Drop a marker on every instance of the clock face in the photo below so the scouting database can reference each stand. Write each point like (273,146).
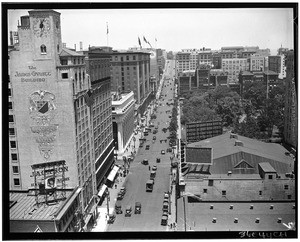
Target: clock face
(41,26)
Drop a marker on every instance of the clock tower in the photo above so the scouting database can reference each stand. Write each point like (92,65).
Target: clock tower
(45,34)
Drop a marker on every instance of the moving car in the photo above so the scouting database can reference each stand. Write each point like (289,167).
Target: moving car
(149,185)
(152,175)
(138,208)
(163,152)
(145,162)
(166,195)
(157,160)
(154,137)
(123,190)
(128,211)
(154,168)
(147,147)
(118,207)
(120,196)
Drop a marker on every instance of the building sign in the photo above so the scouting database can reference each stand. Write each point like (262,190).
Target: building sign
(199,155)
(32,75)
(50,180)
(197,131)
(42,111)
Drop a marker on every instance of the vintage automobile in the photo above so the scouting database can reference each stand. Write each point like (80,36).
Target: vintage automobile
(163,152)
(128,211)
(157,160)
(154,168)
(111,218)
(138,208)
(164,220)
(145,162)
(118,207)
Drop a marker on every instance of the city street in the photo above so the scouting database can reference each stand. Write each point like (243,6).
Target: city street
(152,202)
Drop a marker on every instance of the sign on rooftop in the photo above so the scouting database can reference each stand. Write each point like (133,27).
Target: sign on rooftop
(199,155)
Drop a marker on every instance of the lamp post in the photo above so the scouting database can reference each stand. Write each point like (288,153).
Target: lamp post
(108,198)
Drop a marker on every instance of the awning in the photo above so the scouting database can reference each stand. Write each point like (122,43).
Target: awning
(113,173)
(102,190)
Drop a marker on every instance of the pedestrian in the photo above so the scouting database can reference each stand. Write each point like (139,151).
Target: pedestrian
(171,226)
(115,186)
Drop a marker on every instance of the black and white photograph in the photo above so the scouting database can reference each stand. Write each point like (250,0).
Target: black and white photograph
(149,120)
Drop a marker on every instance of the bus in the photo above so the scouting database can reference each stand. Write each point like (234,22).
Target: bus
(149,185)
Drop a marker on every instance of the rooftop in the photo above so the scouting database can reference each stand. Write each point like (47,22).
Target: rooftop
(226,154)
(24,207)
(199,216)
(68,52)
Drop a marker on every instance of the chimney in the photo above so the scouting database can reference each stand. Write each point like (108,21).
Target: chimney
(271,206)
(229,173)
(80,44)
(257,220)
(251,206)
(214,220)
(279,220)
(238,143)
(236,220)
(231,207)
(211,206)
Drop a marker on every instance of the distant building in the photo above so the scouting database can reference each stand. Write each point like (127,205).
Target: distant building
(187,82)
(203,76)
(257,62)
(123,119)
(131,72)
(217,77)
(291,105)
(277,64)
(233,67)
(205,57)
(216,60)
(182,61)
(197,131)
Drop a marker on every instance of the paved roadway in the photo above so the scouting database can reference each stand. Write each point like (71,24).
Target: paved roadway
(150,218)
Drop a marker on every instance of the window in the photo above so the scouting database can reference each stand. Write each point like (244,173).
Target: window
(63,62)
(11,131)
(121,58)
(286,187)
(9,92)
(15,169)
(13,144)
(260,193)
(133,57)
(204,190)
(17,182)
(9,105)
(127,57)
(10,118)
(14,156)
(210,183)
(64,75)
(270,177)
(223,193)
(43,49)
(289,196)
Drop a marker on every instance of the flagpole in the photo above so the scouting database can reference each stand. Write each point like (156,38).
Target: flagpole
(106,33)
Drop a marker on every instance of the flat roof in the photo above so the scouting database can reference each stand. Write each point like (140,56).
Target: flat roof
(25,207)
(199,216)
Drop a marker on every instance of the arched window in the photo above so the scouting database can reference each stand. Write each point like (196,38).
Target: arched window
(43,49)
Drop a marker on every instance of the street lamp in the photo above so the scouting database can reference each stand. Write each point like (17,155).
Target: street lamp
(108,198)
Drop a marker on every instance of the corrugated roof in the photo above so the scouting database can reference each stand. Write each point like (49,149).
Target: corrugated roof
(68,52)
(26,208)
(226,155)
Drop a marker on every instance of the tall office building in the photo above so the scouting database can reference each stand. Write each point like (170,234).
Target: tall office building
(131,72)
(233,67)
(183,61)
(98,68)
(50,115)
(291,105)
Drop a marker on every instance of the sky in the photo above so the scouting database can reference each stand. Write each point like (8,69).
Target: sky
(174,29)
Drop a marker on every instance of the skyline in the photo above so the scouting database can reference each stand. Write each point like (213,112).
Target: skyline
(210,28)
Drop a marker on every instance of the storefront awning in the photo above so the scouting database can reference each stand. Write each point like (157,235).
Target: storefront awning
(113,173)
(102,190)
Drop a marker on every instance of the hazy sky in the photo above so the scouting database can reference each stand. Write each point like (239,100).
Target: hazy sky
(174,29)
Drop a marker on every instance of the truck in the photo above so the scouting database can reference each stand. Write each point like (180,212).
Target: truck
(149,185)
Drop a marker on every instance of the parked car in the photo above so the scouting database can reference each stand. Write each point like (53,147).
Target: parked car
(166,206)
(157,160)
(128,211)
(169,150)
(154,131)
(111,218)
(164,220)
(166,195)
(147,147)
(123,190)
(120,196)
(163,152)
(154,168)
(145,162)
(154,137)
(118,207)
(138,208)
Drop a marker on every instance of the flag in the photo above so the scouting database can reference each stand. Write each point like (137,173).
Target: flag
(140,42)
(88,96)
(106,28)
(145,40)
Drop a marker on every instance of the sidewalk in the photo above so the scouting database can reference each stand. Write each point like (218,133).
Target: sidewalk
(101,224)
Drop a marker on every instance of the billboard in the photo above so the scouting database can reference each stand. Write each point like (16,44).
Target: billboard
(199,155)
